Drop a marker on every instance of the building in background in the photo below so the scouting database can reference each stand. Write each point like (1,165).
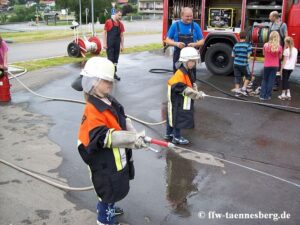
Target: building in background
(122,2)
(150,7)
(48,2)
(4,4)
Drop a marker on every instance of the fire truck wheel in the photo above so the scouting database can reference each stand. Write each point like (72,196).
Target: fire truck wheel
(218,59)
(73,50)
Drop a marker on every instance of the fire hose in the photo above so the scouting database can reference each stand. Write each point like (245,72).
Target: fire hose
(67,188)
(235,98)
(202,157)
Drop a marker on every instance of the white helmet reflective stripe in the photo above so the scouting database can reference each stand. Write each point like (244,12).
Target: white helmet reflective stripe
(188,53)
(99,67)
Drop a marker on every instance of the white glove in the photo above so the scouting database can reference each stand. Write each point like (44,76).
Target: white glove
(128,139)
(140,141)
(195,87)
(201,95)
(129,125)
(190,92)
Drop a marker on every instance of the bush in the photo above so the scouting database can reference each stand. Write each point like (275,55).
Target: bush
(3,18)
(129,8)
(103,17)
(22,14)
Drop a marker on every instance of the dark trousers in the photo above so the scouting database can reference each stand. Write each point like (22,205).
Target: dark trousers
(239,72)
(176,55)
(277,79)
(113,52)
(285,79)
(268,82)
(172,130)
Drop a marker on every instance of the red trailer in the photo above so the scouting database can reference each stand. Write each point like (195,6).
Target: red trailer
(222,20)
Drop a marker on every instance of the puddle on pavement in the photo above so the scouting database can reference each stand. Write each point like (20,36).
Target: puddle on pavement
(182,179)
(180,175)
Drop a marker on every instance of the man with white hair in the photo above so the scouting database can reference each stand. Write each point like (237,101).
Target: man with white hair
(184,33)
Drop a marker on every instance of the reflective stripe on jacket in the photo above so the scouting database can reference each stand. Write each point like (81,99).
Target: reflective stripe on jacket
(180,107)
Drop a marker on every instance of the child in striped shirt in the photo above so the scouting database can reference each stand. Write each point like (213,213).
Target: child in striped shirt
(241,52)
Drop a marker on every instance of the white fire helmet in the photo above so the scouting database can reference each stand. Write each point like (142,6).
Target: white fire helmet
(188,53)
(96,69)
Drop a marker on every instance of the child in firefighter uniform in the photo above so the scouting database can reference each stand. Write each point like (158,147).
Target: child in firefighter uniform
(106,138)
(182,91)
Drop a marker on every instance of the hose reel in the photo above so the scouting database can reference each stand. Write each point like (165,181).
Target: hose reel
(175,11)
(260,34)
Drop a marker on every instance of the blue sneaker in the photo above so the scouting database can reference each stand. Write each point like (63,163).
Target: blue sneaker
(180,141)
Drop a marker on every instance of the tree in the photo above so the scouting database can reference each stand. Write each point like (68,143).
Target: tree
(63,4)
(127,9)
(21,13)
(134,2)
(73,5)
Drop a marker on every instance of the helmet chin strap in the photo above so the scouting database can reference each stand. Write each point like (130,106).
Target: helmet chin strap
(97,94)
(102,96)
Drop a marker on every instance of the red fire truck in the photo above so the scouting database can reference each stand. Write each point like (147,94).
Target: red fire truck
(222,20)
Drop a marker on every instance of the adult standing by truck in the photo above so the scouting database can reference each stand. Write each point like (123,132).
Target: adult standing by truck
(113,40)
(281,28)
(184,33)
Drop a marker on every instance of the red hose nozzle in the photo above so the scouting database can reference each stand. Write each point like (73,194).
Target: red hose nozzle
(159,142)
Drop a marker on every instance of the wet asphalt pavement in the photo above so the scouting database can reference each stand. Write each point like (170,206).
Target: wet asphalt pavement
(170,189)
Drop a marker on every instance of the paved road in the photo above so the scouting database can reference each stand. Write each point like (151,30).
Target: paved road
(134,26)
(168,188)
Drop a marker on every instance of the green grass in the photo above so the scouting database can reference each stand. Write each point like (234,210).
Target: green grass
(60,23)
(57,61)
(37,35)
(45,63)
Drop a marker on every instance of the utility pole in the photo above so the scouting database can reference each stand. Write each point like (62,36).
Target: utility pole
(86,15)
(80,21)
(92,9)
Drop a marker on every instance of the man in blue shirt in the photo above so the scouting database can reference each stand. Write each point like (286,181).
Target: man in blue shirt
(184,33)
